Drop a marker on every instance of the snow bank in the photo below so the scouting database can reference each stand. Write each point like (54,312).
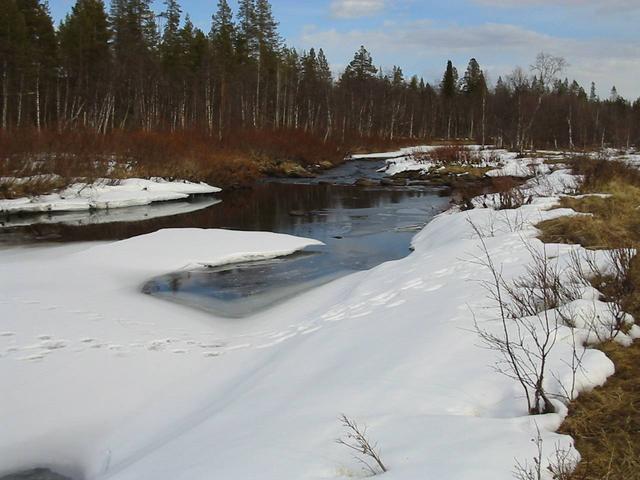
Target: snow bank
(503,162)
(106,216)
(104,194)
(100,381)
(403,152)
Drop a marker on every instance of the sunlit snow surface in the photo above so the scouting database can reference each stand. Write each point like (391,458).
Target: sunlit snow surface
(100,381)
(107,194)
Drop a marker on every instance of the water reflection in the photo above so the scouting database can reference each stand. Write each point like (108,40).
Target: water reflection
(360,226)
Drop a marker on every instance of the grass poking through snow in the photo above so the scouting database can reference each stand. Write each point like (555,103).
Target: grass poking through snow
(605,423)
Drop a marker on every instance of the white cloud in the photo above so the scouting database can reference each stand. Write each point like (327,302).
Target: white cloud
(356,8)
(613,6)
(423,47)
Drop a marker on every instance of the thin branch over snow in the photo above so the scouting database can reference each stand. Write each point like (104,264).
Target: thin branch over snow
(356,439)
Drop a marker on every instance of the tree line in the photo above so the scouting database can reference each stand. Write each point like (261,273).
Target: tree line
(129,68)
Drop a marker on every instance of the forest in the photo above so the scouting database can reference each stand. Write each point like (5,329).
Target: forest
(122,70)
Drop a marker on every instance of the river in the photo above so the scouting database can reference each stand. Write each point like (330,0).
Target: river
(361,227)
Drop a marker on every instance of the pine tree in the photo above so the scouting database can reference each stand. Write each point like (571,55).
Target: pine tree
(134,29)
(222,38)
(85,60)
(195,44)
(593,97)
(361,68)
(324,71)
(223,34)
(266,27)
(247,30)
(171,48)
(310,68)
(397,77)
(13,52)
(84,41)
(41,53)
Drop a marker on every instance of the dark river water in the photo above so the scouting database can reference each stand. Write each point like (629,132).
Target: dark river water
(361,226)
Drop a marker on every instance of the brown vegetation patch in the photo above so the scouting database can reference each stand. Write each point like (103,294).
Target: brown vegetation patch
(236,161)
(605,423)
(611,222)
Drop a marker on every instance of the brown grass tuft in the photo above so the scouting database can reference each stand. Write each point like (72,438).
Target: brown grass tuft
(605,423)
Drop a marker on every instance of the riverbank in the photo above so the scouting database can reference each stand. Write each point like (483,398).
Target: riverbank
(605,422)
(100,388)
(35,163)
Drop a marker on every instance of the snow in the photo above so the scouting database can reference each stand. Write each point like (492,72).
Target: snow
(503,162)
(107,194)
(403,152)
(106,216)
(100,381)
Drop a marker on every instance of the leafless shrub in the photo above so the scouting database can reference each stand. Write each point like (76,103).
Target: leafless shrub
(575,365)
(524,343)
(561,466)
(509,194)
(614,282)
(531,471)
(543,287)
(530,322)
(514,223)
(356,440)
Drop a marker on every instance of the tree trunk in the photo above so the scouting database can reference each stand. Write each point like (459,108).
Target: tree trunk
(484,119)
(5,95)
(38,99)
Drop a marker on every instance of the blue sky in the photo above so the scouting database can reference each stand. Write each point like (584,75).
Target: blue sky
(599,38)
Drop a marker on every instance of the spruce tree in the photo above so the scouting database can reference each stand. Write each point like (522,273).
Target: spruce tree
(449,90)
(473,83)
(449,85)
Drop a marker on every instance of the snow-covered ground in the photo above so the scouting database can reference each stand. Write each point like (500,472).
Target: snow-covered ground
(100,381)
(107,194)
(503,162)
(403,152)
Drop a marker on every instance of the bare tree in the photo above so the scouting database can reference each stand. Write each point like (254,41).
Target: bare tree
(547,67)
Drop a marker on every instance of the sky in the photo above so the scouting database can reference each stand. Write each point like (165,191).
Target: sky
(600,39)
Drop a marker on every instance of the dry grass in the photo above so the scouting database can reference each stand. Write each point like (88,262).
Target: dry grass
(236,161)
(605,423)
(612,222)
